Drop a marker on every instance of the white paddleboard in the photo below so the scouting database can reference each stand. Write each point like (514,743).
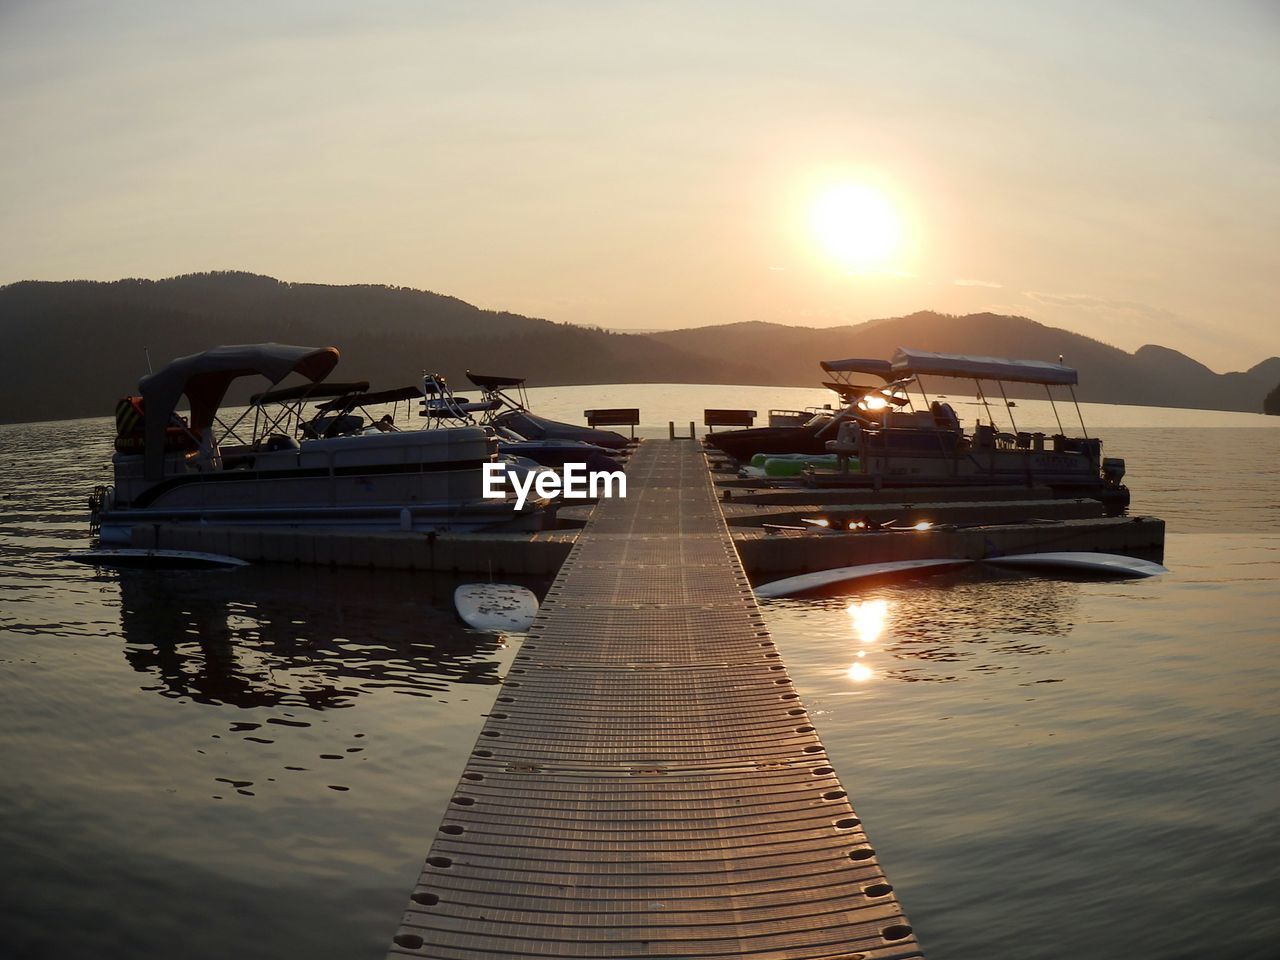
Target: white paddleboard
(808,582)
(1109,563)
(128,557)
(496,607)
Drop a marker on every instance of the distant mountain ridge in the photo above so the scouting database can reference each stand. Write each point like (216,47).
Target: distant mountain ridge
(73,347)
(1151,376)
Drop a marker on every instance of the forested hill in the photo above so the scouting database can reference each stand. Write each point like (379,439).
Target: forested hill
(71,348)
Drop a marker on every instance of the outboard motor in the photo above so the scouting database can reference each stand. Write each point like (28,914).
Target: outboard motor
(1112,470)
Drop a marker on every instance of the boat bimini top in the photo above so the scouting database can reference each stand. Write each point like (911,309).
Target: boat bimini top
(500,389)
(878,368)
(205,377)
(844,370)
(350,401)
(484,380)
(308,391)
(916,363)
(908,362)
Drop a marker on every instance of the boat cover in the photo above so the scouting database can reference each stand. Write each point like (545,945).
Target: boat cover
(916,362)
(879,368)
(204,378)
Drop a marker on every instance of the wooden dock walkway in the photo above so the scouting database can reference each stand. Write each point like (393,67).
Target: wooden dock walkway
(648,783)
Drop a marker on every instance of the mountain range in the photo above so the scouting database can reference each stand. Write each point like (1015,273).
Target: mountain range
(73,347)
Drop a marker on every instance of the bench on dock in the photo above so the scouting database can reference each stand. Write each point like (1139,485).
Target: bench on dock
(728,418)
(614,417)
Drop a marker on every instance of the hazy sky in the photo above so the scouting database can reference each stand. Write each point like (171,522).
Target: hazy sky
(1113,168)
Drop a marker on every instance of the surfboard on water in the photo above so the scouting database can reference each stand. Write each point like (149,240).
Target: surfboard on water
(1113,564)
(496,607)
(809,582)
(178,559)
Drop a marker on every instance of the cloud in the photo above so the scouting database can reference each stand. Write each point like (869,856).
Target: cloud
(978,283)
(1131,310)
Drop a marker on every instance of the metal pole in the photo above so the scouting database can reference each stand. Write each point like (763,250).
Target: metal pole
(1008,409)
(1078,413)
(920,384)
(1049,393)
(983,397)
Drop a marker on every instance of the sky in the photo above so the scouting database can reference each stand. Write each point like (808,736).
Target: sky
(1109,168)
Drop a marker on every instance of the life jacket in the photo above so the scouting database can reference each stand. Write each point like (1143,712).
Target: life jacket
(131,429)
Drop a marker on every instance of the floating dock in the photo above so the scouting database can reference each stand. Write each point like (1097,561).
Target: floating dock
(970,522)
(769,555)
(649,783)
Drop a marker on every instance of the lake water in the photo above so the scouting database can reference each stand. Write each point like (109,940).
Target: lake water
(253,763)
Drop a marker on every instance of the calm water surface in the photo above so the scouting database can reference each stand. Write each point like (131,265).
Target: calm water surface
(253,763)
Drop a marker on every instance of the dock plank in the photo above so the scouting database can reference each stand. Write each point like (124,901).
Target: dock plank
(648,783)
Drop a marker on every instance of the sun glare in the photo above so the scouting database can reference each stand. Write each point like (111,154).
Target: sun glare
(860,673)
(856,226)
(868,618)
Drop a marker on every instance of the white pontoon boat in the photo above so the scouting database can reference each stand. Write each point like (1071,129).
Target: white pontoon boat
(881,443)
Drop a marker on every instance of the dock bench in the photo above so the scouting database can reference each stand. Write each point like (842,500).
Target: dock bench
(728,418)
(614,417)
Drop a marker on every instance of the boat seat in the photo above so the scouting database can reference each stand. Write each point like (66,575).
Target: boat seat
(848,438)
(944,416)
(278,442)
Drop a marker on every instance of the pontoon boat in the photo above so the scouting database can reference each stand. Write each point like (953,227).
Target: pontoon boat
(929,446)
(169,469)
(883,440)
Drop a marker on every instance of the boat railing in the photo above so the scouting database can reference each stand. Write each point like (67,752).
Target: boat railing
(441,406)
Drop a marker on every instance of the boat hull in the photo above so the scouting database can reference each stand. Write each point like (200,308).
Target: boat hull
(117,526)
(742,445)
(413,480)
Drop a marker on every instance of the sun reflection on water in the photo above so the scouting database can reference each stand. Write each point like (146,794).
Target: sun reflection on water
(868,618)
(859,672)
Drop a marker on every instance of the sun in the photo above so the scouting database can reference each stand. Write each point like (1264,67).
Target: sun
(857,226)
